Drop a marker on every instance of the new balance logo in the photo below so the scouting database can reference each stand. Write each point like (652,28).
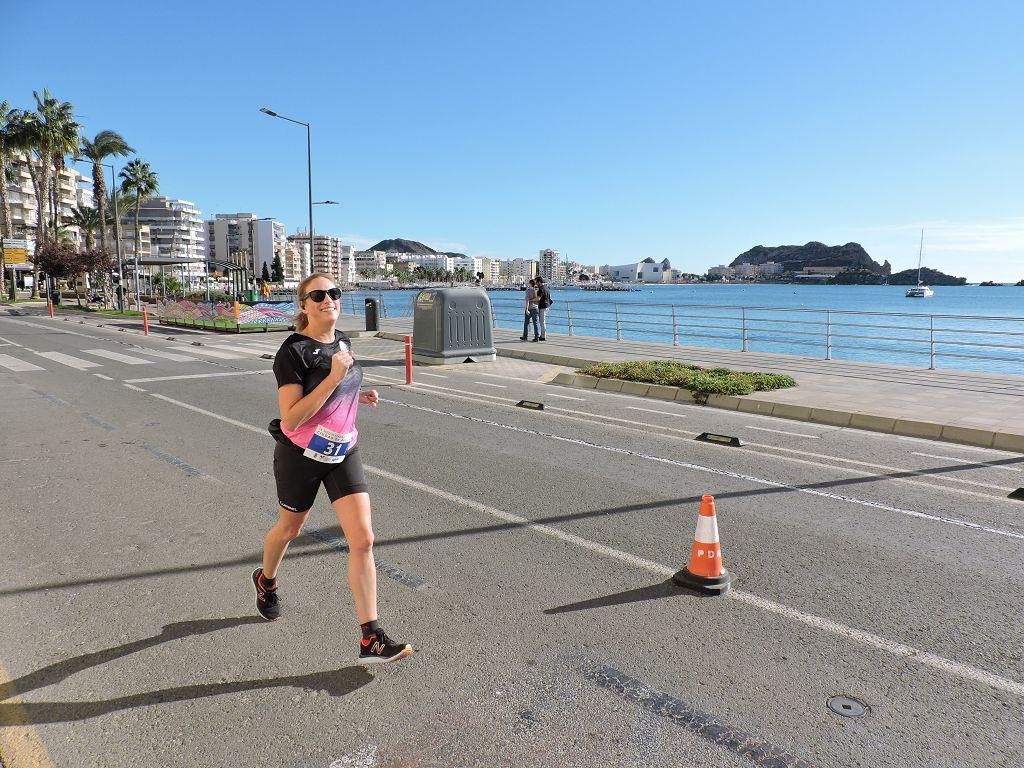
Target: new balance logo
(377,647)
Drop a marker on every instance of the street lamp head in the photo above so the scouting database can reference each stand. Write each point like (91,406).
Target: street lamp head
(327,202)
(266,111)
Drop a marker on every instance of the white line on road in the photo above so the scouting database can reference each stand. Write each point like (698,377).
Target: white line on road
(214,353)
(165,355)
(966,461)
(781,432)
(814,459)
(720,472)
(126,359)
(193,376)
(73,362)
(8,341)
(137,389)
(660,413)
(14,364)
(875,641)
(565,397)
(486,384)
(433,375)
(101,376)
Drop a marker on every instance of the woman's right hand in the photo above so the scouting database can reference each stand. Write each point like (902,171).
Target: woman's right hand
(341,361)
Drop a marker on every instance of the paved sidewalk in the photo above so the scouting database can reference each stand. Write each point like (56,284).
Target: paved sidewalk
(984,409)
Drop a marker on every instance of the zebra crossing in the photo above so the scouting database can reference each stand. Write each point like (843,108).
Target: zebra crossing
(18,358)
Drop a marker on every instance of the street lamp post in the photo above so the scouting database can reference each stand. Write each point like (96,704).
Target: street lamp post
(309,174)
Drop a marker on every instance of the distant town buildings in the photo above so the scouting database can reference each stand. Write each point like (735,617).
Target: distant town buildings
(550,266)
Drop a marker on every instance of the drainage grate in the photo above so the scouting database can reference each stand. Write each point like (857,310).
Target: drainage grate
(847,707)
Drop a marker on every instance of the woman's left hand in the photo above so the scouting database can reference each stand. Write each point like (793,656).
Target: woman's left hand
(369,397)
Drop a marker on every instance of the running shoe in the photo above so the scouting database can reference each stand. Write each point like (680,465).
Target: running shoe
(266,599)
(378,648)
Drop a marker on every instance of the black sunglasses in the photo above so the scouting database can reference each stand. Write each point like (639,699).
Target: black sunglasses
(320,294)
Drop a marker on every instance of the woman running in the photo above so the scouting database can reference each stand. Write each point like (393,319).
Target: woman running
(318,395)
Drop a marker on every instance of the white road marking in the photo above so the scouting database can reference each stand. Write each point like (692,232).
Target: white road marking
(54,328)
(486,384)
(720,472)
(193,376)
(782,432)
(966,461)
(101,376)
(814,458)
(127,359)
(14,364)
(73,362)
(137,389)
(660,413)
(231,348)
(565,397)
(165,355)
(851,633)
(926,441)
(8,341)
(214,353)
(433,375)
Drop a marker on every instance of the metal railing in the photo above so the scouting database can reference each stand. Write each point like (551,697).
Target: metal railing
(957,340)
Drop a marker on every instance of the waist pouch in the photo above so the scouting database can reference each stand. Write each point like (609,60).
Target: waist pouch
(274,428)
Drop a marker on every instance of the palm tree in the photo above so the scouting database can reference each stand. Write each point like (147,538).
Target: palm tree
(88,221)
(58,132)
(138,179)
(23,137)
(106,144)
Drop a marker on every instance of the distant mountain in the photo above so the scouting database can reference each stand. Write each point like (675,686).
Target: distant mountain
(814,254)
(928,277)
(400,245)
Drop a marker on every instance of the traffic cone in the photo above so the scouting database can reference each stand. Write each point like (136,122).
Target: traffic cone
(705,573)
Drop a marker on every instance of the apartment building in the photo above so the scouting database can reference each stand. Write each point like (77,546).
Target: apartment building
(550,261)
(246,240)
(176,232)
(330,256)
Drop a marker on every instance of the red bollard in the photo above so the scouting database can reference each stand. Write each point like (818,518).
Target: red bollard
(145,321)
(49,306)
(408,359)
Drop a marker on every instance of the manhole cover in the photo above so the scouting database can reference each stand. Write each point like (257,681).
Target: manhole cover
(847,707)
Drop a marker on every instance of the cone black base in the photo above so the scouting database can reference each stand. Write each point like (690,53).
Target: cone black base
(709,585)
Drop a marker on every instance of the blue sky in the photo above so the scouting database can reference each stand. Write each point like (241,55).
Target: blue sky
(610,131)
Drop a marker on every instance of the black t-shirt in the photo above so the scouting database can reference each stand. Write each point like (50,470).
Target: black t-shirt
(306,361)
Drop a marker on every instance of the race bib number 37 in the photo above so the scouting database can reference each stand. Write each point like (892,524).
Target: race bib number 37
(328,446)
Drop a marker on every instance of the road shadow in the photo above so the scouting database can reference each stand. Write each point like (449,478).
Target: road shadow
(61,670)
(660,591)
(337,682)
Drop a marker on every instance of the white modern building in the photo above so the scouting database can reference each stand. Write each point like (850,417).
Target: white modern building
(646,271)
(518,270)
(471,264)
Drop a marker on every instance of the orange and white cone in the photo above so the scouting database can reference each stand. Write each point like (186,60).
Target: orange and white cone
(705,572)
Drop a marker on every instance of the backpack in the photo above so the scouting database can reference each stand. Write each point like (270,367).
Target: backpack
(545,297)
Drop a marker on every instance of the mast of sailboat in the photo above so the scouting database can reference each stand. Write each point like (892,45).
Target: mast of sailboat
(920,251)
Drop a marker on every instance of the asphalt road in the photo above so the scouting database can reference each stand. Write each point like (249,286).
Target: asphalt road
(527,555)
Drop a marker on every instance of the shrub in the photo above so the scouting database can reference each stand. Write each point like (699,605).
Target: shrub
(701,381)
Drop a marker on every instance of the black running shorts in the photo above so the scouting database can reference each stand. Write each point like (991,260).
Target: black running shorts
(298,478)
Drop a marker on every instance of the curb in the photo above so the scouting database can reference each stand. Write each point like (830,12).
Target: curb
(949,433)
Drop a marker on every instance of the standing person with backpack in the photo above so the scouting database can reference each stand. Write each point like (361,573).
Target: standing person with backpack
(531,312)
(543,302)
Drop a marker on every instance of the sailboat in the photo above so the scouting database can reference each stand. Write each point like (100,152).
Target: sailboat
(921,291)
